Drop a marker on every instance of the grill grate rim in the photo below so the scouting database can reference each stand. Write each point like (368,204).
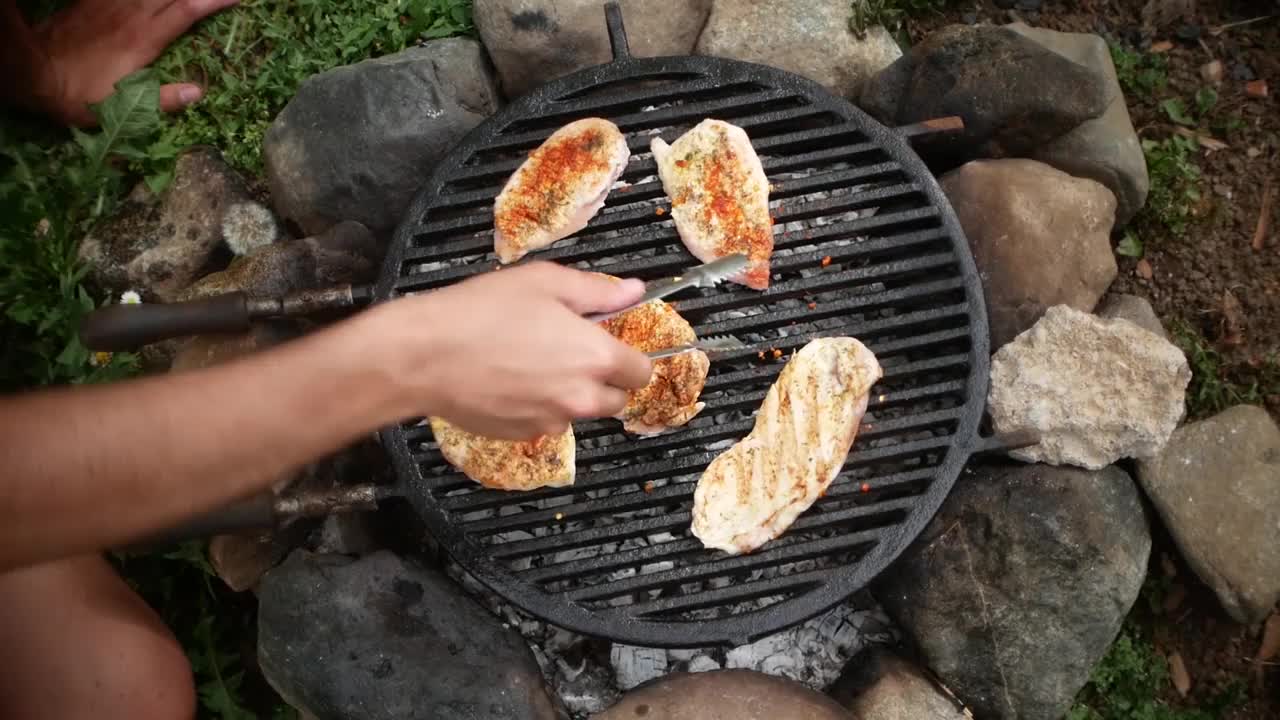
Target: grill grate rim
(900,278)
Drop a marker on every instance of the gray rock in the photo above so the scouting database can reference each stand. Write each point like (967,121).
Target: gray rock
(724,695)
(807,37)
(1020,583)
(1013,95)
(240,560)
(1105,149)
(356,142)
(158,246)
(1216,485)
(381,637)
(879,685)
(533,41)
(1092,390)
(346,253)
(1040,238)
(1134,309)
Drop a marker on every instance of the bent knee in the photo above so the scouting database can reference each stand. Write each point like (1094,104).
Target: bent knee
(151,681)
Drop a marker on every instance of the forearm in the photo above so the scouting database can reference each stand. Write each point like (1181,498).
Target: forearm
(95,467)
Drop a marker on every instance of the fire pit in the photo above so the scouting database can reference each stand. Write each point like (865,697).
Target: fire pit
(867,246)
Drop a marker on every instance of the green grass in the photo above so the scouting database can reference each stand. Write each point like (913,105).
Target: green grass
(54,185)
(1141,75)
(892,14)
(1129,682)
(252,59)
(1212,388)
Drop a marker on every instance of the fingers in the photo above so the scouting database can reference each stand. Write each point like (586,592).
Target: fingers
(595,401)
(627,368)
(176,96)
(587,292)
(173,18)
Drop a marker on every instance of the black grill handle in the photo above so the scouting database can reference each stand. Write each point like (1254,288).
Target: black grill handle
(253,513)
(127,327)
(617,31)
(119,328)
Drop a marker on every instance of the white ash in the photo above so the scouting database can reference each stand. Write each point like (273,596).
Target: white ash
(248,225)
(633,665)
(588,679)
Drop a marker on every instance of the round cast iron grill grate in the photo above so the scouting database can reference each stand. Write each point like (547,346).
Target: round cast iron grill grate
(867,246)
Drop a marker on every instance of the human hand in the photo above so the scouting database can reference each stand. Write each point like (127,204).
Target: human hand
(509,355)
(76,56)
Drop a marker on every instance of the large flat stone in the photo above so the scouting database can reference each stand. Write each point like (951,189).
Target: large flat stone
(1021,582)
(160,245)
(533,41)
(1039,236)
(1216,485)
(879,685)
(384,638)
(357,142)
(724,695)
(1106,148)
(807,37)
(1013,94)
(1092,390)
(1134,309)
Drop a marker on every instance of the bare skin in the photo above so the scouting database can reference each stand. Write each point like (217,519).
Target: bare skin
(507,355)
(73,59)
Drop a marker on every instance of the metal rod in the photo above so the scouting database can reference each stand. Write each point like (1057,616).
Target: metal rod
(617,31)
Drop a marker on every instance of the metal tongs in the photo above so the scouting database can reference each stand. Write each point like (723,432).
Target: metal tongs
(703,276)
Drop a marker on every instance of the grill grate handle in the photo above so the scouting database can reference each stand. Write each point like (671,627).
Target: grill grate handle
(119,328)
(617,32)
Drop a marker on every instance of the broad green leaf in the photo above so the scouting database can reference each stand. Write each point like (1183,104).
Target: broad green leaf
(1174,109)
(1130,246)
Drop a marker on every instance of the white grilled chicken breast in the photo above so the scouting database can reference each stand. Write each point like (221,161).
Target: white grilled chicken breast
(506,464)
(559,188)
(671,397)
(719,196)
(753,491)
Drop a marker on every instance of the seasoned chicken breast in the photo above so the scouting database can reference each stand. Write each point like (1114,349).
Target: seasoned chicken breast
(505,464)
(671,397)
(559,188)
(753,491)
(719,196)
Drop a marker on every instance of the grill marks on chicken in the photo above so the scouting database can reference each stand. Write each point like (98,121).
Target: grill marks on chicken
(803,431)
(547,461)
(719,196)
(671,397)
(559,188)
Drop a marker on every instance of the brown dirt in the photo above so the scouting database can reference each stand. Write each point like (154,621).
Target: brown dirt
(1191,273)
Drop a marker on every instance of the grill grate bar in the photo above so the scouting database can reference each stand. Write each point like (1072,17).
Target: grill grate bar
(784,553)
(885,399)
(636,475)
(843,485)
(641,165)
(680,260)
(484,499)
(662,117)
(742,592)
(429,248)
